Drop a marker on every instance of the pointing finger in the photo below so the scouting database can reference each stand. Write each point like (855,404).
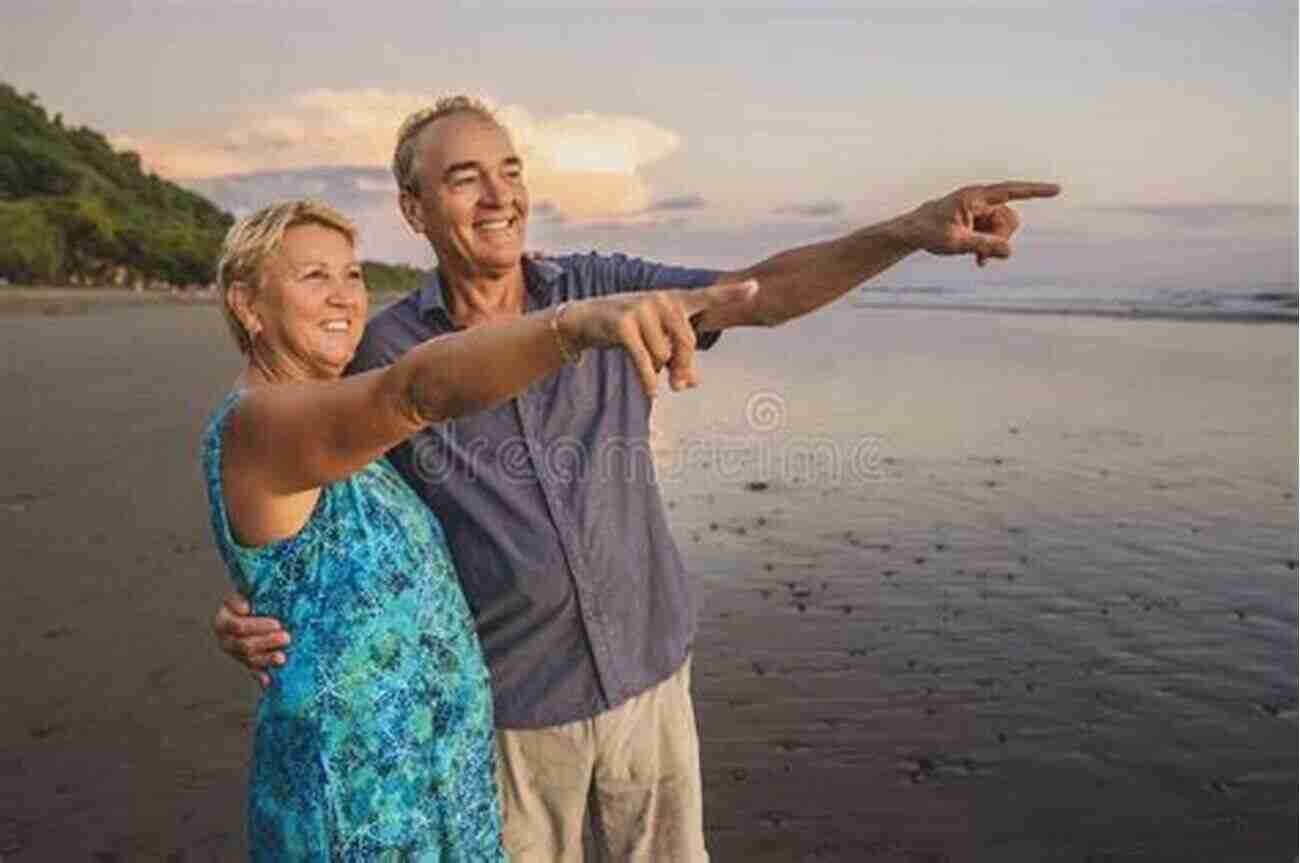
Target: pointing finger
(694,302)
(1017,190)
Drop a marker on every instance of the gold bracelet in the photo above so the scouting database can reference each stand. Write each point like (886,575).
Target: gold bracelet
(567,353)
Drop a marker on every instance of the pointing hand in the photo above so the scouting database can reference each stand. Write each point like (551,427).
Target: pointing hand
(652,326)
(972,220)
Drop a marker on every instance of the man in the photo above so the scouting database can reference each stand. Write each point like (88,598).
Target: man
(579,593)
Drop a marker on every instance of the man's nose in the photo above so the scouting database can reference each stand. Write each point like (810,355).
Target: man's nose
(497,192)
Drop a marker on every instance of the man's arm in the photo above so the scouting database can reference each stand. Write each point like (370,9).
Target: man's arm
(973,220)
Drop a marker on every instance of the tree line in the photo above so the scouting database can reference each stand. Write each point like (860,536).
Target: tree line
(73,209)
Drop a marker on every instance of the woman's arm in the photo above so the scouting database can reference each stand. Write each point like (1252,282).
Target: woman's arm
(293,438)
(304,436)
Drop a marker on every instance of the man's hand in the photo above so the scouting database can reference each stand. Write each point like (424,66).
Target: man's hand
(254,641)
(654,327)
(973,220)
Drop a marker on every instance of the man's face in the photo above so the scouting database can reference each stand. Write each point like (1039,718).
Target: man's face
(472,203)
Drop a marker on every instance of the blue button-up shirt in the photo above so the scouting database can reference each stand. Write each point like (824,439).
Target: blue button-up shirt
(550,506)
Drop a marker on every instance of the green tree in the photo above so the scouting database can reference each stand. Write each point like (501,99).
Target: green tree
(31,248)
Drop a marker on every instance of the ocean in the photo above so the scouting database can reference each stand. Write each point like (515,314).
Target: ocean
(1260,302)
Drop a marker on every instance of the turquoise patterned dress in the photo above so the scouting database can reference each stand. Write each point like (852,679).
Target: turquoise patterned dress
(374,741)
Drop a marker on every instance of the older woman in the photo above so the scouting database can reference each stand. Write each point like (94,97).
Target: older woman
(375,738)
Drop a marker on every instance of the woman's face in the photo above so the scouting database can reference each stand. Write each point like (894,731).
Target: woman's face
(311,304)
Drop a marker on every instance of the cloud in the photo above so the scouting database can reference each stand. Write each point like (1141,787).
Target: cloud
(679,203)
(368,196)
(1211,216)
(313,129)
(813,210)
(344,187)
(1118,246)
(673,241)
(585,165)
(544,211)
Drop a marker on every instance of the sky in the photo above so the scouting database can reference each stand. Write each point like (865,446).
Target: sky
(719,136)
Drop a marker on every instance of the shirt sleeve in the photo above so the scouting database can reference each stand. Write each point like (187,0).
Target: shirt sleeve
(602,275)
(381,342)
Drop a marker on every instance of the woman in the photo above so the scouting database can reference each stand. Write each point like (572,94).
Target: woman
(375,738)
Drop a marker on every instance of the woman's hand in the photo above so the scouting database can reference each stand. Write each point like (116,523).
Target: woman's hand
(255,642)
(654,327)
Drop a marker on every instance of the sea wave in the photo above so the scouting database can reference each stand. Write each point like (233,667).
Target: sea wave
(1240,303)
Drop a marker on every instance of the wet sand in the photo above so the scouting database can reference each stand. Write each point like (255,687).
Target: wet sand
(50,302)
(972,587)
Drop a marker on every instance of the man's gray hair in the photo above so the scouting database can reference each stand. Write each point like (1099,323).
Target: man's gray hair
(405,168)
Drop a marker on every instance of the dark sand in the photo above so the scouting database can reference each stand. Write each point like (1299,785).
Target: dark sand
(972,587)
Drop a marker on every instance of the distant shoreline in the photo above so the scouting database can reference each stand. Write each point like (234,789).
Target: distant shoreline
(53,301)
(16,300)
(1124,314)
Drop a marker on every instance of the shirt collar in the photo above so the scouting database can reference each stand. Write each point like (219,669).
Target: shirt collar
(540,275)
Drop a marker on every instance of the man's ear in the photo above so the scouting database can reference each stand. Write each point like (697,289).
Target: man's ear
(410,205)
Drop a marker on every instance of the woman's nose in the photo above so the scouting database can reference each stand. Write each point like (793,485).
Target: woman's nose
(344,291)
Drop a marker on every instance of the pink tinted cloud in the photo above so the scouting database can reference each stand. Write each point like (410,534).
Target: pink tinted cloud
(587,165)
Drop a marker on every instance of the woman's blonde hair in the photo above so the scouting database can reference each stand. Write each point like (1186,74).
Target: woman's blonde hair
(252,239)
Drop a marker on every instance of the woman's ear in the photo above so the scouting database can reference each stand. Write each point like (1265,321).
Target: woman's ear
(240,299)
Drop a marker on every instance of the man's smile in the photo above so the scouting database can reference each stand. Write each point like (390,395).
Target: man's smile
(496,225)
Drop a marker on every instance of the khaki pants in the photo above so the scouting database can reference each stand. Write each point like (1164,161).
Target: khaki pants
(636,766)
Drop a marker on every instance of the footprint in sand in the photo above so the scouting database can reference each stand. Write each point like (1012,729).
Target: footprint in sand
(43,730)
(17,502)
(13,836)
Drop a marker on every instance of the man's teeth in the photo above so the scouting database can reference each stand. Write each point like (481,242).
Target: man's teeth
(495,224)
(336,326)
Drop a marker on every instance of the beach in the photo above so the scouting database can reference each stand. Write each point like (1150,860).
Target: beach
(972,585)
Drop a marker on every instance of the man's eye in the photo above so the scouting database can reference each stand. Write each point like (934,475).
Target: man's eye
(463,180)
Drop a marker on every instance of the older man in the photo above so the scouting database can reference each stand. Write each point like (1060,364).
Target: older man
(581,599)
